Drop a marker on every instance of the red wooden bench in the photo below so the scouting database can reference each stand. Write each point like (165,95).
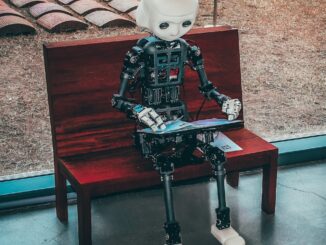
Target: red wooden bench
(92,143)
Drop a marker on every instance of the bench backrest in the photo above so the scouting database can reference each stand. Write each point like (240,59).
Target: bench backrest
(82,76)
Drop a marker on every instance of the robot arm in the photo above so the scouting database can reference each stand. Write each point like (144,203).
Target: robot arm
(131,67)
(229,106)
(147,116)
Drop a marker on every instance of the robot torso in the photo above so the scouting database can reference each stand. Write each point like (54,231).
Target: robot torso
(162,76)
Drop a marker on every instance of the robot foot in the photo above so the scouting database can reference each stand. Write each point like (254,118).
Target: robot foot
(172,233)
(227,236)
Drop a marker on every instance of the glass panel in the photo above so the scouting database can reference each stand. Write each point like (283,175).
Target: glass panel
(283,72)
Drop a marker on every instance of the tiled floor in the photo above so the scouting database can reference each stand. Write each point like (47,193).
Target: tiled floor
(137,217)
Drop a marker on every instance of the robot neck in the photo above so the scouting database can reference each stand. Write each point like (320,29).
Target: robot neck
(167,43)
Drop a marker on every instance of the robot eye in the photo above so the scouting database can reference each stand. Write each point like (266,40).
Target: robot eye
(186,23)
(164,25)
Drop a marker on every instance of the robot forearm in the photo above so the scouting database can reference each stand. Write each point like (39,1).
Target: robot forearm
(219,98)
(206,87)
(146,116)
(229,106)
(123,105)
(210,92)
(119,100)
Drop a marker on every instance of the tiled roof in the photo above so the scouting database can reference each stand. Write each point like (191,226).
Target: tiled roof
(12,22)
(58,17)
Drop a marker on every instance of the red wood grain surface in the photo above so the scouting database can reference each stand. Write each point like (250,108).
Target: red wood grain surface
(124,169)
(83,75)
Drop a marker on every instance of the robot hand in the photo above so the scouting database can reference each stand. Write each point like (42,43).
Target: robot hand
(232,108)
(149,117)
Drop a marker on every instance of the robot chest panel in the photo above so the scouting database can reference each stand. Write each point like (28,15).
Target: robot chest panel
(164,67)
(160,95)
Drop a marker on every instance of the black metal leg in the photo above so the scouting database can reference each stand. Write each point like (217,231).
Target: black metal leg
(168,198)
(218,160)
(222,212)
(171,226)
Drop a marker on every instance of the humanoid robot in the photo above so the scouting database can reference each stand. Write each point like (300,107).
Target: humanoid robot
(155,65)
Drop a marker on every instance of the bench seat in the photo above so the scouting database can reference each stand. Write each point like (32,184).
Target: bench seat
(125,169)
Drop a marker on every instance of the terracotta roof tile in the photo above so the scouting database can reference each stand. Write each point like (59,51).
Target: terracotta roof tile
(25,3)
(9,11)
(132,14)
(66,2)
(84,7)
(11,24)
(124,5)
(106,18)
(41,9)
(60,22)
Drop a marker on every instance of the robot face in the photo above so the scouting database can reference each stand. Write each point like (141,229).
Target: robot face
(170,28)
(167,19)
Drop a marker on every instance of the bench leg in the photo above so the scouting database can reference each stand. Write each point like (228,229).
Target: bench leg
(84,218)
(233,179)
(269,187)
(61,196)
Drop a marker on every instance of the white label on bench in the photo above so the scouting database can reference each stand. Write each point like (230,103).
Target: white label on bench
(224,143)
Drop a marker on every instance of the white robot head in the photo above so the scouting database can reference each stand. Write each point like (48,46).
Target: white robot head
(167,19)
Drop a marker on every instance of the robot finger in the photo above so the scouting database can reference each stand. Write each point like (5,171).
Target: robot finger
(157,119)
(153,114)
(162,126)
(237,104)
(231,117)
(224,109)
(144,113)
(225,106)
(154,128)
(235,115)
(160,123)
(149,122)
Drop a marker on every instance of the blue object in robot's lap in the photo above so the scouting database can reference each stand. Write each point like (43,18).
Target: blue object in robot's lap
(178,126)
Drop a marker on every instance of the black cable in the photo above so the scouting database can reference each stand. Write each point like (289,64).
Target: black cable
(184,97)
(200,108)
(132,95)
